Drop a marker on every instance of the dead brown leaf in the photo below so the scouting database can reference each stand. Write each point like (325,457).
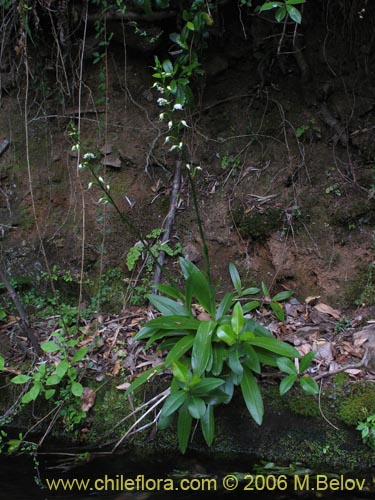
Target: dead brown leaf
(325,309)
(87,399)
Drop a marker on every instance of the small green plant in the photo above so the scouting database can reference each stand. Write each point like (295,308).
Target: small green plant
(232,163)
(283,10)
(343,325)
(367,429)
(59,381)
(266,300)
(310,128)
(210,357)
(334,188)
(138,252)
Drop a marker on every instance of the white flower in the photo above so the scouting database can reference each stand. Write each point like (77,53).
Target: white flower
(162,102)
(88,156)
(90,185)
(161,116)
(108,187)
(101,180)
(80,166)
(177,107)
(167,139)
(184,124)
(170,125)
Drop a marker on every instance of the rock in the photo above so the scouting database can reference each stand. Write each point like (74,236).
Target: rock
(111,161)
(308,331)
(192,252)
(366,338)
(106,149)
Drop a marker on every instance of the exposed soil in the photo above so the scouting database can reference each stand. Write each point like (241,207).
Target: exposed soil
(286,188)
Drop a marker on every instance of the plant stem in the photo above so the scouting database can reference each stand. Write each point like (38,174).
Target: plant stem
(128,222)
(200,226)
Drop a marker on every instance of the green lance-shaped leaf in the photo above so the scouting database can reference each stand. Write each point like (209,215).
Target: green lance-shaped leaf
(278,311)
(2,363)
(252,361)
(252,396)
(224,305)
(208,425)
(171,290)
(201,352)
(309,385)
(175,322)
(167,306)
(235,277)
(20,379)
(286,294)
(286,366)
(181,372)
(173,403)
(32,394)
(53,379)
(306,361)
(179,349)
(250,306)
(237,320)
(275,346)
(234,362)
(280,14)
(205,386)
(197,407)
(201,287)
(226,334)
(286,383)
(294,14)
(270,5)
(79,354)
(184,423)
(62,368)
(143,378)
(219,353)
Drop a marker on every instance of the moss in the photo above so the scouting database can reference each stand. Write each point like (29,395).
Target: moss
(340,380)
(358,406)
(361,289)
(303,404)
(110,407)
(258,225)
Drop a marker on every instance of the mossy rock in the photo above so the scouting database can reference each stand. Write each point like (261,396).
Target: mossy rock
(303,404)
(258,225)
(359,405)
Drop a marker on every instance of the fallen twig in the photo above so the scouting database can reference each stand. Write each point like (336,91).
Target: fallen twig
(169,221)
(361,363)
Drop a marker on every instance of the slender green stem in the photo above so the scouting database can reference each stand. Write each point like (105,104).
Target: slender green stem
(200,226)
(130,224)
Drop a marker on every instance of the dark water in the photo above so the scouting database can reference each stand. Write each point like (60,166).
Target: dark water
(19,477)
